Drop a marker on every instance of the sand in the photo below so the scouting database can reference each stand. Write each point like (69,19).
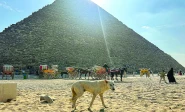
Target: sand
(132,95)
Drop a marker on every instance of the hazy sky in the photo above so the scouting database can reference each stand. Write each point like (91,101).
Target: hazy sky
(162,22)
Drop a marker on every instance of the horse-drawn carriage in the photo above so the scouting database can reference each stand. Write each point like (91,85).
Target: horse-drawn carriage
(8,70)
(45,72)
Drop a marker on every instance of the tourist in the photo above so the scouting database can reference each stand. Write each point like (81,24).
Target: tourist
(123,70)
(162,76)
(106,67)
(112,71)
(171,77)
(180,72)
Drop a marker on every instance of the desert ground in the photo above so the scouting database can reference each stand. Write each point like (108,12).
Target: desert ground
(133,94)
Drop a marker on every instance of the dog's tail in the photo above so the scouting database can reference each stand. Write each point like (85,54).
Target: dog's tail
(73,93)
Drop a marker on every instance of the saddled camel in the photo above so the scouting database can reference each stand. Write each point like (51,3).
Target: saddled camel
(145,71)
(99,72)
(72,72)
(50,73)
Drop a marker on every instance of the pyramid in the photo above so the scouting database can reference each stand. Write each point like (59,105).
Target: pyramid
(79,33)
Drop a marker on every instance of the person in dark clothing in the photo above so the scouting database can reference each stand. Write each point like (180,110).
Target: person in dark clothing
(180,72)
(171,77)
(125,71)
(116,73)
(112,71)
(122,71)
(106,67)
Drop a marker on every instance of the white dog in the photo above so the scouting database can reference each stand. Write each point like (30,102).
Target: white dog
(94,87)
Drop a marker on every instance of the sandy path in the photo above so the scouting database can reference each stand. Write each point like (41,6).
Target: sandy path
(131,95)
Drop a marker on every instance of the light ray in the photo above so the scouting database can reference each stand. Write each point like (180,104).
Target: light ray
(104,35)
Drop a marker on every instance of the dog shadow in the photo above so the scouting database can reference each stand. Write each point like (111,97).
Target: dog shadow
(122,81)
(90,110)
(101,110)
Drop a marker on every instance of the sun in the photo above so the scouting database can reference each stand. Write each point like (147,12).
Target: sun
(99,2)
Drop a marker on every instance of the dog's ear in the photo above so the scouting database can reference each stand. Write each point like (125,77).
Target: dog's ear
(106,81)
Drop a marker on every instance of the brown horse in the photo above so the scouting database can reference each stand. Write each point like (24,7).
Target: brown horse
(85,71)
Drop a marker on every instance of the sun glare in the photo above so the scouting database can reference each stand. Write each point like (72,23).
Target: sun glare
(99,2)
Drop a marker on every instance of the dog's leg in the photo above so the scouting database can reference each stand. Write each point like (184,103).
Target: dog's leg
(101,97)
(74,103)
(76,93)
(74,98)
(79,94)
(94,96)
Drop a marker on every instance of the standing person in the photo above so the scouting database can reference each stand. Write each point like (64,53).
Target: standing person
(171,77)
(112,72)
(162,76)
(123,70)
(106,67)
(116,73)
(180,72)
(121,73)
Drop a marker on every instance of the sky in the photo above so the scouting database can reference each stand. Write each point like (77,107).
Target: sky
(162,22)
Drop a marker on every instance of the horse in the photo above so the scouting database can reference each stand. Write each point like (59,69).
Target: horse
(63,73)
(84,71)
(114,71)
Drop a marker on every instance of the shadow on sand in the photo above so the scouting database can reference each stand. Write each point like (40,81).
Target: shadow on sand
(101,110)
(122,81)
